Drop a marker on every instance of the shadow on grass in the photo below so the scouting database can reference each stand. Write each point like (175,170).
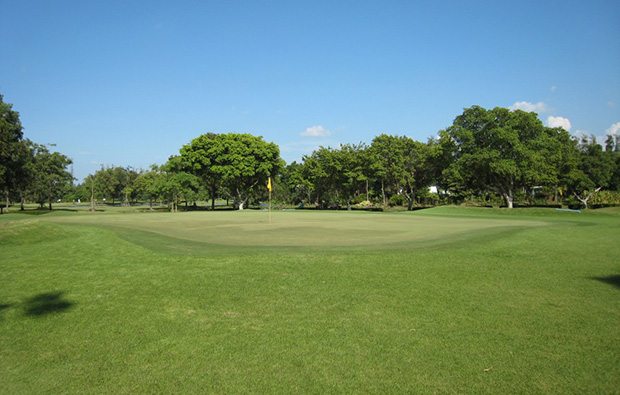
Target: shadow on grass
(4,306)
(613,280)
(46,303)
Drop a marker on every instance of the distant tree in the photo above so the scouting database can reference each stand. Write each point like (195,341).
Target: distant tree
(612,148)
(299,187)
(145,184)
(416,172)
(595,170)
(353,164)
(323,172)
(24,171)
(384,152)
(402,165)
(174,184)
(201,155)
(501,151)
(51,176)
(11,150)
(238,163)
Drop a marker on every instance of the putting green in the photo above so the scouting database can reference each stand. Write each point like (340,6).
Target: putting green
(297,229)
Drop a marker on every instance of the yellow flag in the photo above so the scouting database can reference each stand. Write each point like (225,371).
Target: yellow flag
(269,184)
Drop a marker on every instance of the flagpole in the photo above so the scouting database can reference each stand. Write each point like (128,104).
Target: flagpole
(269,187)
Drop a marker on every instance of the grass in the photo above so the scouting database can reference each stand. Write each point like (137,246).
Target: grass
(445,300)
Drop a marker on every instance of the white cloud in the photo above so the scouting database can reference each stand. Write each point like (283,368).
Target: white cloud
(613,129)
(611,104)
(316,131)
(553,88)
(538,108)
(558,122)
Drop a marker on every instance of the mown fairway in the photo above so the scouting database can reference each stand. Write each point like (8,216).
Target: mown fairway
(442,300)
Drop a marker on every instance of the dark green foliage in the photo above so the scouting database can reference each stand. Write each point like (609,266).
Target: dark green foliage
(50,177)
(594,172)
(12,152)
(502,151)
(238,165)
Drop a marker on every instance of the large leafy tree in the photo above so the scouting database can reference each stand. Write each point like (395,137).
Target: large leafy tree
(416,171)
(353,160)
(238,163)
(51,177)
(384,153)
(12,152)
(334,174)
(200,156)
(501,151)
(401,165)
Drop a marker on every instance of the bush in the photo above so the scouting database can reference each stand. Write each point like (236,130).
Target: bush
(396,200)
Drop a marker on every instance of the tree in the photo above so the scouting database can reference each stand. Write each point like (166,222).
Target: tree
(201,155)
(383,156)
(239,163)
(353,166)
(612,148)
(416,172)
(11,149)
(299,187)
(402,165)
(595,171)
(323,172)
(501,151)
(51,176)
(174,184)
(145,184)
(116,183)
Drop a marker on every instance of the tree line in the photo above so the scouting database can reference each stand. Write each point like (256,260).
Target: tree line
(487,156)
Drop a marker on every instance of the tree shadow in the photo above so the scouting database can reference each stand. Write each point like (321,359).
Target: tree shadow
(613,280)
(46,303)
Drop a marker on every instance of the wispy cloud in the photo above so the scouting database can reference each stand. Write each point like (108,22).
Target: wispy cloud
(559,122)
(526,106)
(316,131)
(611,104)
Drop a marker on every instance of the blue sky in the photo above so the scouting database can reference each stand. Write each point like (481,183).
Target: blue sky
(127,83)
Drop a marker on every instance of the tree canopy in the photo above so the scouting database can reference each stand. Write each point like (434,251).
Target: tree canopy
(502,151)
(11,148)
(237,163)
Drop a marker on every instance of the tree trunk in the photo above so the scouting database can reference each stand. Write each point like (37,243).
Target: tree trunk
(509,199)
(383,194)
(585,199)
(6,209)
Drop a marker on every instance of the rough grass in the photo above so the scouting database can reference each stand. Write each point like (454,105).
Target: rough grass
(444,300)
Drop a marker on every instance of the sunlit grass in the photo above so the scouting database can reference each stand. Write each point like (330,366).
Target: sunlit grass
(455,300)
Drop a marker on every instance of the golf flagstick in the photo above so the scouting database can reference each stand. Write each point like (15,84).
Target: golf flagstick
(269,187)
